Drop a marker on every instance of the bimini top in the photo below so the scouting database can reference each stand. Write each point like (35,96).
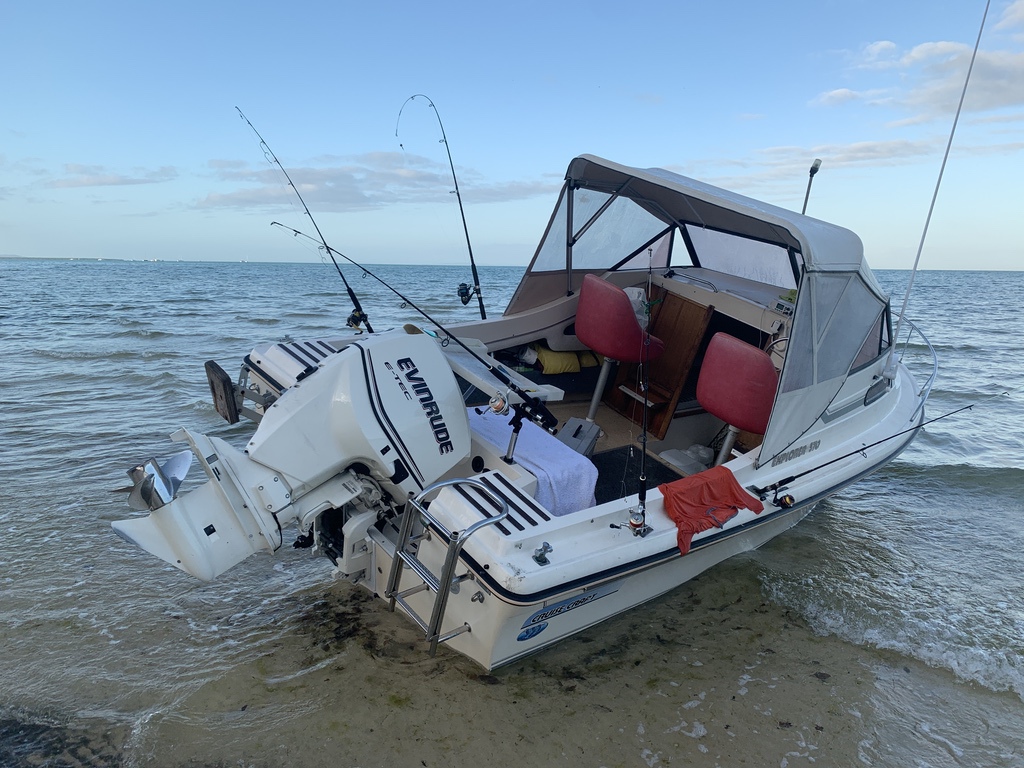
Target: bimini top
(677,199)
(627,218)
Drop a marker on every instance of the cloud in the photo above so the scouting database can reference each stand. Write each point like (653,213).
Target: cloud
(925,81)
(649,98)
(77,175)
(838,96)
(361,182)
(879,53)
(997,81)
(776,173)
(1012,20)
(875,97)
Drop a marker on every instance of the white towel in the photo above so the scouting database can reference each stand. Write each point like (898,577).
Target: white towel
(565,479)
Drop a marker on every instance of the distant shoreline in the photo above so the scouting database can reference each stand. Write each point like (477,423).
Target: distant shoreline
(97,259)
(11,257)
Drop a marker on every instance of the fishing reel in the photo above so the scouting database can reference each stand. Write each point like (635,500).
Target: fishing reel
(466,293)
(500,404)
(778,490)
(636,524)
(356,319)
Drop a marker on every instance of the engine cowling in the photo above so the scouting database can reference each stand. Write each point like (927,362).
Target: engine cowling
(390,402)
(388,405)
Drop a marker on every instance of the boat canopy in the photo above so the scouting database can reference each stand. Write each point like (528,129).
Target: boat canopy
(611,217)
(639,208)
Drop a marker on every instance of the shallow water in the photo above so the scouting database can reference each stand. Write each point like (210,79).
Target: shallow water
(886,629)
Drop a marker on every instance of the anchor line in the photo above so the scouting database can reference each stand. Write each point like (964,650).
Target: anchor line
(533,405)
(358,316)
(458,196)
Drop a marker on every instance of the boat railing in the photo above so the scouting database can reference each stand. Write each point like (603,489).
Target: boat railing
(920,358)
(679,273)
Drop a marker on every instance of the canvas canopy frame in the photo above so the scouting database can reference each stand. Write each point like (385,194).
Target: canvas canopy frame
(610,217)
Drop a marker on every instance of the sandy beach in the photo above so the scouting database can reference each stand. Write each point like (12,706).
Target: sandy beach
(713,675)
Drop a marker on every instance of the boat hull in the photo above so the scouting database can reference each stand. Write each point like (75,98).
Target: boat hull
(503,630)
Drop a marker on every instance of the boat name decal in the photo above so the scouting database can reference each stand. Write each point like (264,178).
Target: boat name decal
(796,453)
(542,616)
(430,408)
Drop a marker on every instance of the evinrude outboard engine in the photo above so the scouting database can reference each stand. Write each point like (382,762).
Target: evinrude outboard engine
(377,422)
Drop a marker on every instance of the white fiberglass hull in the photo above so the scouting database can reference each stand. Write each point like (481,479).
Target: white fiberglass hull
(503,631)
(595,569)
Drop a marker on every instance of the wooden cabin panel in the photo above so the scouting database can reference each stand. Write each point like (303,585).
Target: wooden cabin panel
(681,324)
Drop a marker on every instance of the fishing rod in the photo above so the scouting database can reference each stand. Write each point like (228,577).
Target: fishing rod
(465,294)
(777,486)
(358,316)
(938,182)
(638,519)
(532,405)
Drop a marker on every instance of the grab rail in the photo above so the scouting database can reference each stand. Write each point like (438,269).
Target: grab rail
(903,348)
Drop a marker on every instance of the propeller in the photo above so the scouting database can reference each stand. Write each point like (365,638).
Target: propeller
(156,484)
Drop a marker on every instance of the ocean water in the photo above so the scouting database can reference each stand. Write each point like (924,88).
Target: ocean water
(909,582)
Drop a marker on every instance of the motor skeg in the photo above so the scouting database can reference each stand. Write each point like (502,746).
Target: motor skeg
(390,402)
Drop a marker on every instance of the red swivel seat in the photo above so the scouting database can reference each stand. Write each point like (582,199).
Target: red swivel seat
(606,322)
(737,383)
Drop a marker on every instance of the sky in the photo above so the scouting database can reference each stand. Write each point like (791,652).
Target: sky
(119,135)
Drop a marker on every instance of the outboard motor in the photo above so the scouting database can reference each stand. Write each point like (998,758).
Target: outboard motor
(383,417)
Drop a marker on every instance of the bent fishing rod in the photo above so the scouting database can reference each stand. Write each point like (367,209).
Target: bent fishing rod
(533,405)
(464,292)
(358,316)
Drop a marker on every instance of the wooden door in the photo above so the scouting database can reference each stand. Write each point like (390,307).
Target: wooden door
(681,324)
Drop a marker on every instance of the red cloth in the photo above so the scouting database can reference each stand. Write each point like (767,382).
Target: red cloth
(705,500)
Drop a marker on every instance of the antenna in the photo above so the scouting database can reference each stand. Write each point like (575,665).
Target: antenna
(814,169)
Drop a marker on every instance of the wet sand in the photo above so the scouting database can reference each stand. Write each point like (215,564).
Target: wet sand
(710,675)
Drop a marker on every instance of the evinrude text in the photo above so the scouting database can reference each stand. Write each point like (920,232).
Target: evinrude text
(431,408)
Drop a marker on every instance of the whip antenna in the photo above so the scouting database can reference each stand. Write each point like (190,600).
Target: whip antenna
(938,182)
(465,293)
(358,316)
(810,178)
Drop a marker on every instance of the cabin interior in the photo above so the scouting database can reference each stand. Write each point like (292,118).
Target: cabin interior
(684,309)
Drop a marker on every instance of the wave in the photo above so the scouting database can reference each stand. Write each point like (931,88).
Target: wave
(957,475)
(102,355)
(933,479)
(932,640)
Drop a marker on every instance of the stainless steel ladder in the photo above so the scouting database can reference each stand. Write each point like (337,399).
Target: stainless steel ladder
(406,556)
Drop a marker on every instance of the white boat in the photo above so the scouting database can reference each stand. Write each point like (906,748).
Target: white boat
(768,351)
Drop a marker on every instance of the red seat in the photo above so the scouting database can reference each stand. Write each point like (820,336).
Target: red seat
(606,322)
(737,383)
